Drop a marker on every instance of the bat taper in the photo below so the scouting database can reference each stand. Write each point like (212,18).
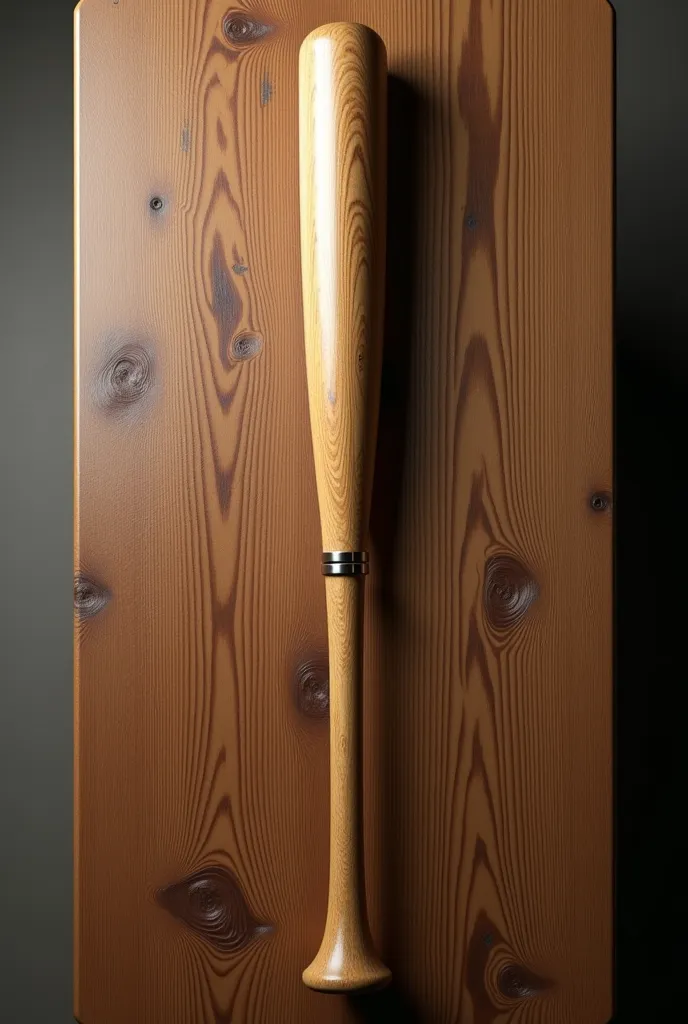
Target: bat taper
(343,145)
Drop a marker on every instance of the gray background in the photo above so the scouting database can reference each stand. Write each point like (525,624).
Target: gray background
(36,508)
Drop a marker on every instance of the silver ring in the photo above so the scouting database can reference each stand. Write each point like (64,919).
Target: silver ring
(344,556)
(345,568)
(345,563)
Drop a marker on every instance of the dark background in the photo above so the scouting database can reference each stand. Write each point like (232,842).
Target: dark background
(36,509)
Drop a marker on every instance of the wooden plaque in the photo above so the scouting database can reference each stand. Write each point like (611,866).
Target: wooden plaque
(201,769)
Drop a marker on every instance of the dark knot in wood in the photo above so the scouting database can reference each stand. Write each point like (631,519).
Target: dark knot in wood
(210,902)
(509,591)
(313,688)
(601,501)
(241,29)
(89,597)
(517,982)
(126,377)
(246,346)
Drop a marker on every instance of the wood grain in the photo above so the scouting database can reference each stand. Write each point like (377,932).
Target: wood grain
(342,189)
(346,960)
(343,195)
(487,790)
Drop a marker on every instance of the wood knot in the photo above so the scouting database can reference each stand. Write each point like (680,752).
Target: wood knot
(509,591)
(125,378)
(89,597)
(210,902)
(516,982)
(601,501)
(246,346)
(240,29)
(313,688)
(493,976)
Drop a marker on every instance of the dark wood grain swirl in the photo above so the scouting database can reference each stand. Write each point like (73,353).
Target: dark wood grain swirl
(494,979)
(510,590)
(90,597)
(312,688)
(601,501)
(242,29)
(125,378)
(210,902)
(518,982)
(246,346)
(157,205)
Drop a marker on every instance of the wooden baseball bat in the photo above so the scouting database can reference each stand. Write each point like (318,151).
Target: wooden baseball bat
(343,145)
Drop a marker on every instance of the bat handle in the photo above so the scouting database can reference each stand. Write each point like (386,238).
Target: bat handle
(342,149)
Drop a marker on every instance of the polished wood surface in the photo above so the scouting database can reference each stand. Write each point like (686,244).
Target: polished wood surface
(342,154)
(201,826)
(346,960)
(343,150)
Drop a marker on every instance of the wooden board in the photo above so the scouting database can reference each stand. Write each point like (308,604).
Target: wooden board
(201,673)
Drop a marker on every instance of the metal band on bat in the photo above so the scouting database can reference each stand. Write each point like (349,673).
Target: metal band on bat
(345,563)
